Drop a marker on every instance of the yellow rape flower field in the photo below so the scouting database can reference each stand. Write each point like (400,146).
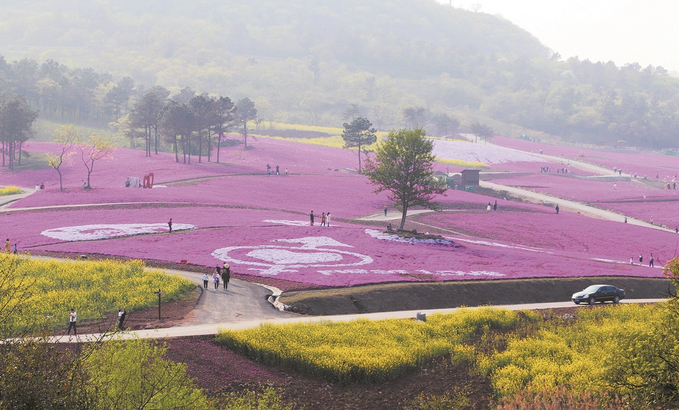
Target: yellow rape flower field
(93,288)
(10,190)
(363,350)
(581,353)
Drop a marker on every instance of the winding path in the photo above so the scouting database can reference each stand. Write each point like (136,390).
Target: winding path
(213,328)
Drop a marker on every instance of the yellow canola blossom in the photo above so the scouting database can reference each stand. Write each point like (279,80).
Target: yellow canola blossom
(10,190)
(576,356)
(93,288)
(363,350)
(460,163)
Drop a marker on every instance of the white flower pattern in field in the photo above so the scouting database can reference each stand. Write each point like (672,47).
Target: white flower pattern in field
(487,154)
(387,237)
(286,257)
(289,223)
(107,231)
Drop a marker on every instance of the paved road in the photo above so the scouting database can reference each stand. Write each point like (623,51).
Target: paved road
(243,301)
(213,328)
(567,205)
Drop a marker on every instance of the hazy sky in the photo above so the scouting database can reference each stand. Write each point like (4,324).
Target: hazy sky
(625,31)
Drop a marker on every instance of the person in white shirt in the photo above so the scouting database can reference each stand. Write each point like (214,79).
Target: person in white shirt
(72,319)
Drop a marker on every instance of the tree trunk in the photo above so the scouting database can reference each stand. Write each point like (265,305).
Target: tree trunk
(219,143)
(360,171)
(200,146)
(61,186)
(403,216)
(245,133)
(209,145)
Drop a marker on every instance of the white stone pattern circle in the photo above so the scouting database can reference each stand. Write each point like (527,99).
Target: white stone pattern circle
(107,231)
(274,259)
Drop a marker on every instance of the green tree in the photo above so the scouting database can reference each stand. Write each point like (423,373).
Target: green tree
(67,136)
(245,112)
(135,375)
(96,148)
(357,134)
(16,122)
(414,116)
(481,130)
(646,364)
(146,114)
(223,119)
(446,125)
(351,112)
(403,166)
(178,120)
(34,373)
(203,111)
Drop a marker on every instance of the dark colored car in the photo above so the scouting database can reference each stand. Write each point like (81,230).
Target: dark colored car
(599,293)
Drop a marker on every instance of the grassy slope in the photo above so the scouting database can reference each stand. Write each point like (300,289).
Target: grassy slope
(413,296)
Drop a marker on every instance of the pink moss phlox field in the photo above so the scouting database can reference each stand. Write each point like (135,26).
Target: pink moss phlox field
(296,157)
(341,194)
(642,163)
(565,234)
(534,167)
(661,212)
(471,258)
(587,190)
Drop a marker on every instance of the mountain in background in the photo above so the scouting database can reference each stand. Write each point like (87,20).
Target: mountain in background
(305,61)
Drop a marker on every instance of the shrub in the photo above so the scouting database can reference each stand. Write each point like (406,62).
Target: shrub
(558,398)
(135,375)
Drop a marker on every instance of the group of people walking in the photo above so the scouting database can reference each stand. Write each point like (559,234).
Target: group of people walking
(222,275)
(8,246)
(641,260)
(325,218)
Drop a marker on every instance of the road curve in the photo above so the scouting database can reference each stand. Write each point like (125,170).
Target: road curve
(213,328)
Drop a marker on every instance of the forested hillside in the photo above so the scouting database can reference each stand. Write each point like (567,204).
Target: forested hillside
(306,61)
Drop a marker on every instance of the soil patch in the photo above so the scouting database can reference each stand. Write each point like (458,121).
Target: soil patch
(439,295)
(172,314)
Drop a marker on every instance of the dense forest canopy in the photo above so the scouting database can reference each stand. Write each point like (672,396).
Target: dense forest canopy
(306,61)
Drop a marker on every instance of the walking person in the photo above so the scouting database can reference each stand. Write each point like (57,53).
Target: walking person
(72,319)
(169,225)
(226,270)
(327,218)
(311,218)
(8,246)
(641,259)
(121,318)
(215,278)
(385,210)
(557,209)
(206,279)
(495,205)
(323,219)
(650,262)
(277,172)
